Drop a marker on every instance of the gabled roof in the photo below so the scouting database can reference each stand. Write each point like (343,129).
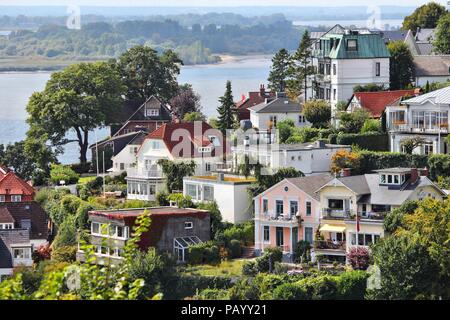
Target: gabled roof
(440,96)
(376,102)
(12,184)
(28,211)
(432,65)
(254,98)
(277,105)
(172,134)
(7,238)
(128,137)
(310,184)
(5,216)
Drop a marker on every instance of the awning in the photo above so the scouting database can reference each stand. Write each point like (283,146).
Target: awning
(332,228)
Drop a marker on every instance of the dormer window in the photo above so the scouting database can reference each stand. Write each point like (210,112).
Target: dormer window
(352,45)
(16,198)
(392,179)
(151,112)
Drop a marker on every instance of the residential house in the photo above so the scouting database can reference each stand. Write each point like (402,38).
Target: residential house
(194,141)
(310,158)
(267,114)
(254,98)
(367,198)
(230,193)
(376,102)
(126,158)
(13,188)
(24,226)
(420,42)
(431,68)
(172,230)
(287,213)
(425,116)
(346,58)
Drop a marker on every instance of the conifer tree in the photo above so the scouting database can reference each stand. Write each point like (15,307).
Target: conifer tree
(279,72)
(226,110)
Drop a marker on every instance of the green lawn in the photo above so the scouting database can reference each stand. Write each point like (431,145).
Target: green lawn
(225,268)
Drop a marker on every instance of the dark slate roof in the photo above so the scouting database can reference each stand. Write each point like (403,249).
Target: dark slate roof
(310,184)
(5,216)
(125,139)
(28,211)
(8,237)
(393,35)
(432,65)
(153,103)
(357,184)
(277,105)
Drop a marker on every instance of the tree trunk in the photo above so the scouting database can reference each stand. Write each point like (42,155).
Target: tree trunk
(83,143)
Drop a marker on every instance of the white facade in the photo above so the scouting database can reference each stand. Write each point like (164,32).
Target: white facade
(125,159)
(425,116)
(232,198)
(263,120)
(421,81)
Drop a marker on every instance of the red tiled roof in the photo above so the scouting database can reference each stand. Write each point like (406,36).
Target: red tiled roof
(376,102)
(172,134)
(12,184)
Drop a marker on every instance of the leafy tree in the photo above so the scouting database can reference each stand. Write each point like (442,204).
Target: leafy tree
(64,173)
(175,171)
(344,159)
(79,98)
(15,157)
(145,73)
(359,258)
(409,144)
(371,87)
(214,123)
(371,125)
(317,112)
(401,70)
(194,116)
(285,129)
(186,101)
(226,110)
(354,121)
(341,106)
(279,72)
(394,220)
(215,217)
(267,181)
(441,44)
(300,68)
(425,16)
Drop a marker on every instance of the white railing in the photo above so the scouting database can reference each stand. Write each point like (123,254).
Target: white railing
(272,216)
(144,173)
(405,127)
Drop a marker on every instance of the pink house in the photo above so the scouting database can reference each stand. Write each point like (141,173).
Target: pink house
(287,213)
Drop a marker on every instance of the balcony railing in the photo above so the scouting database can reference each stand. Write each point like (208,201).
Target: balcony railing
(329,245)
(223,167)
(336,214)
(406,127)
(144,173)
(270,216)
(328,213)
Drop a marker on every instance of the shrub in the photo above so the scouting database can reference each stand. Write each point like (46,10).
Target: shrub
(439,165)
(302,251)
(213,294)
(317,112)
(371,160)
(162,198)
(351,285)
(354,121)
(244,289)
(43,252)
(343,159)
(249,268)
(67,234)
(206,252)
(266,263)
(59,172)
(369,141)
(235,248)
(290,291)
(64,254)
(371,125)
(187,285)
(359,258)
(320,287)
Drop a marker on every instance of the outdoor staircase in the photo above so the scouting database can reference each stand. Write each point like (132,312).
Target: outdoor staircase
(248,252)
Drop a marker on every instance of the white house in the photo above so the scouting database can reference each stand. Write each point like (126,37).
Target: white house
(346,58)
(309,158)
(425,116)
(126,158)
(267,114)
(194,141)
(431,68)
(229,192)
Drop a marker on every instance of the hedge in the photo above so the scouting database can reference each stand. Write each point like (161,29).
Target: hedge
(206,252)
(371,160)
(369,141)
(188,285)
(439,165)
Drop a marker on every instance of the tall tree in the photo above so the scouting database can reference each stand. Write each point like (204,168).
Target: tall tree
(226,110)
(442,41)
(425,16)
(401,71)
(279,72)
(145,73)
(185,101)
(301,68)
(78,99)
(317,112)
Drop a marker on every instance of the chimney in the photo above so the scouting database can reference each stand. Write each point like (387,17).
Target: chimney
(414,175)
(346,172)
(424,172)
(262,90)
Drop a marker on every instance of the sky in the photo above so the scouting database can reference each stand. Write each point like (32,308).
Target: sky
(221,3)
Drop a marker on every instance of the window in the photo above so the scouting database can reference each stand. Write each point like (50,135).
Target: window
(2,198)
(377,69)
(151,112)
(122,166)
(266,234)
(279,207)
(16,198)
(428,149)
(188,225)
(273,120)
(352,45)
(208,166)
(328,69)
(301,119)
(321,68)
(156,145)
(382,178)
(334,69)
(95,228)
(208,193)
(334,94)
(308,208)
(293,208)
(21,253)
(327,94)
(336,204)
(279,237)
(152,189)
(364,239)
(265,205)
(191,190)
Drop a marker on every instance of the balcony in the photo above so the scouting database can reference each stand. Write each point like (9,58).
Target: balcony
(328,213)
(223,167)
(273,217)
(153,172)
(409,128)
(330,245)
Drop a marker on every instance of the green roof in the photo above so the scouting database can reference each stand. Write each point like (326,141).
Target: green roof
(368,46)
